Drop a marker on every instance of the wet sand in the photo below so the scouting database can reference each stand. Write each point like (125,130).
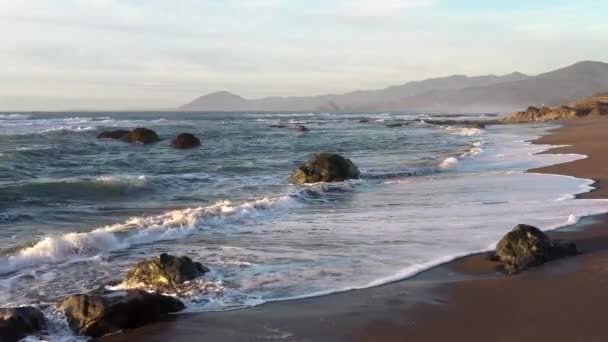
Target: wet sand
(464,300)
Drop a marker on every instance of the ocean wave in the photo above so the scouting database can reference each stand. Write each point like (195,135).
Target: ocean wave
(173,225)
(102,186)
(128,180)
(14,116)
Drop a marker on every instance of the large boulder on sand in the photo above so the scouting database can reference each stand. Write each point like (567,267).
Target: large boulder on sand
(116,134)
(527,246)
(325,167)
(185,140)
(142,135)
(165,272)
(99,314)
(16,323)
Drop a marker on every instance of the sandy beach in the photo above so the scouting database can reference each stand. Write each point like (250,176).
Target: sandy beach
(464,300)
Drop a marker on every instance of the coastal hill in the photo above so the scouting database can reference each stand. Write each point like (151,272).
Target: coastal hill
(510,92)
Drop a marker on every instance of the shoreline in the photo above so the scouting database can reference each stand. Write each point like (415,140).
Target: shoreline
(462,299)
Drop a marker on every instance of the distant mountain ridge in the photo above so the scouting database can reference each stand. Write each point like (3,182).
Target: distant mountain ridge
(452,93)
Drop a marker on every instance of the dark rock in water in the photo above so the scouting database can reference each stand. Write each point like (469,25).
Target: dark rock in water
(325,167)
(463,123)
(117,134)
(185,140)
(16,323)
(527,246)
(277,126)
(164,272)
(364,120)
(99,314)
(302,128)
(142,135)
(393,125)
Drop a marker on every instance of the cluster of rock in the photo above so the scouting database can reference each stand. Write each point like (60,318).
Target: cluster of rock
(142,135)
(325,167)
(299,128)
(527,246)
(102,312)
(594,106)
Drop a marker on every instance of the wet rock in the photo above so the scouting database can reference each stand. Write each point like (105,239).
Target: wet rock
(527,246)
(102,313)
(142,135)
(396,124)
(117,134)
(185,140)
(164,273)
(478,125)
(302,128)
(277,126)
(364,120)
(462,123)
(325,167)
(16,323)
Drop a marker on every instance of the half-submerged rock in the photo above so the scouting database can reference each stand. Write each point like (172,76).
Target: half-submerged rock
(163,273)
(325,167)
(16,323)
(527,246)
(98,314)
(116,134)
(185,140)
(142,135)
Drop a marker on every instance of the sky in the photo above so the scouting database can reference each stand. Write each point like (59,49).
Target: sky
(144,54)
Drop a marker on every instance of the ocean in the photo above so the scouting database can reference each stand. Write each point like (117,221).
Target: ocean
(77,212)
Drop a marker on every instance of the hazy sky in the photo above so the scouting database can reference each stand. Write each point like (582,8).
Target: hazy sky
(113,54)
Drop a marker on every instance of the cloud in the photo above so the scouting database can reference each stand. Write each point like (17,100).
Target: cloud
(381,8)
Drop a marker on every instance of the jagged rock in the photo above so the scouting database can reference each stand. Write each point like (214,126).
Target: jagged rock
(185,140)
(117,134)
(16,323)
(163,273)
(98,314)
(325,167)
(142,135)
(592,106)
(527,246)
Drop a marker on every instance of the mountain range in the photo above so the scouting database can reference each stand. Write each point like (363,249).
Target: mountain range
(456,93)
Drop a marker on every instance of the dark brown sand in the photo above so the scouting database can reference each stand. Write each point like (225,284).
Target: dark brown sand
(465,300)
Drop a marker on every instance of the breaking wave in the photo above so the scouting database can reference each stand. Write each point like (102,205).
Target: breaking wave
(14,116)
(141,230)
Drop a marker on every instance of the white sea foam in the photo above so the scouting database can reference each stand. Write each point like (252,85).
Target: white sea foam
(449,163)
(464,131)
(68,129)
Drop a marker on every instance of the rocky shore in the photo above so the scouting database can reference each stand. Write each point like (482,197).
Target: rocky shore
(466,299)
(596,105)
